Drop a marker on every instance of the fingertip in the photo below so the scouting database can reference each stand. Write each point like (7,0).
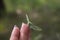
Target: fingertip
(24,32)
(24,25)
(15,28)
(15,33)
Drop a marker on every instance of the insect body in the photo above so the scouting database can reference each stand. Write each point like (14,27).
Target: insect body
(31,25)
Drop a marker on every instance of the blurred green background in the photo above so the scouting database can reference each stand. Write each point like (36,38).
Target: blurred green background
(42,13)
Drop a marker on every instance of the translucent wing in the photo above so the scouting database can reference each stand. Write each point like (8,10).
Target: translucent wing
(32,26)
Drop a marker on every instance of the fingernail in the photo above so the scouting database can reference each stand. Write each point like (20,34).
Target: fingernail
(23,24)
(15,27)
(24,27)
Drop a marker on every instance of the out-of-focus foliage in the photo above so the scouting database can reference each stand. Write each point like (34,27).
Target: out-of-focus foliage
(43,13)
(12,5)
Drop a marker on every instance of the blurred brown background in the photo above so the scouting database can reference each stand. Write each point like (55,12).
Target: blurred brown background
(42,13)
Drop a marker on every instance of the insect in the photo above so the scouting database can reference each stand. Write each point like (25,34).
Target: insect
(31,25)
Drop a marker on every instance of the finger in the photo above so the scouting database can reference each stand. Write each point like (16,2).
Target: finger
(24,32)
(15,33)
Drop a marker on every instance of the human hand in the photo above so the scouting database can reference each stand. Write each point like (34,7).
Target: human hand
(21,34)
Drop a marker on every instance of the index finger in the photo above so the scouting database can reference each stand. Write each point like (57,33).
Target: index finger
(15,33)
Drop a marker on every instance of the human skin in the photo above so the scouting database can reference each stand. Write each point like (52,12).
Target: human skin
(21,34)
